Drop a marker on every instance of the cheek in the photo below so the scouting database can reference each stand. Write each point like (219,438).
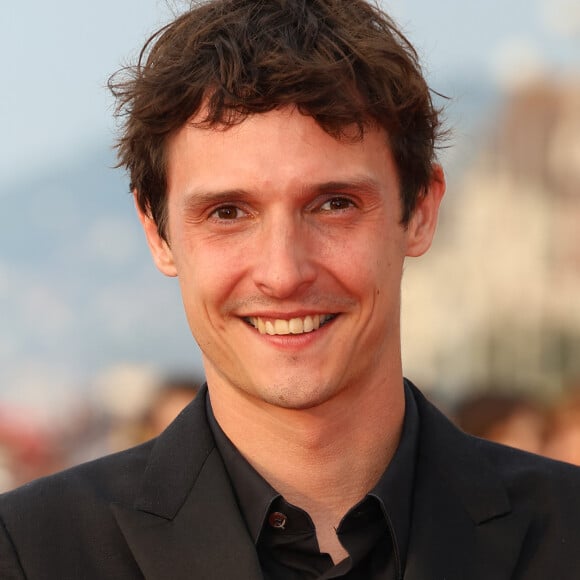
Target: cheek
(374,266)
(209,280)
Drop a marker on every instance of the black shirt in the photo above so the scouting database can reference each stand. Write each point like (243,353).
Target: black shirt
(374,532)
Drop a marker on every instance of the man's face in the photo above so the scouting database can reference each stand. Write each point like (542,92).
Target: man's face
(289,252)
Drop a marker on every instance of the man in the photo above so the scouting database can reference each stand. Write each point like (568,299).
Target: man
(281,154)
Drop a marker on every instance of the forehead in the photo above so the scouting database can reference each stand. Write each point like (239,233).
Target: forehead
(279,147)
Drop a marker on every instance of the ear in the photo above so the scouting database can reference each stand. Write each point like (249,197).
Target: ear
(160,250)
(423,222)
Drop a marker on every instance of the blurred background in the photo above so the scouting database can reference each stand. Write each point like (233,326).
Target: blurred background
(93,338)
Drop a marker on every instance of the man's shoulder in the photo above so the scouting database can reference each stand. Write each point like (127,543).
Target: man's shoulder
(64,523)
(112,478)
(472,462)
(120,477)
(527,471)
(521,470)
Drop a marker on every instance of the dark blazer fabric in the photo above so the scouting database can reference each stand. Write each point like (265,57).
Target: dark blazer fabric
(165,511)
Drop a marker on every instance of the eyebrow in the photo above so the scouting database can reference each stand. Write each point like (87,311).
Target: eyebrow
(357,184)
(201,198)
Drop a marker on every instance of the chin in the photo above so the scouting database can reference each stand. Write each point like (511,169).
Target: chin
(297,394)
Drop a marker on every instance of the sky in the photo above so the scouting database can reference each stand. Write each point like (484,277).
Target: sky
(56,58)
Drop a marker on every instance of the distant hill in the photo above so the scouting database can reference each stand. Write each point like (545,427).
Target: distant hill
(78,290)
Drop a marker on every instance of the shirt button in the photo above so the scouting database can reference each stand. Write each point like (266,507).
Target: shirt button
(277,520)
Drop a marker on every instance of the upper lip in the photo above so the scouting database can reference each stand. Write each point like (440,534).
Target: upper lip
(286,315)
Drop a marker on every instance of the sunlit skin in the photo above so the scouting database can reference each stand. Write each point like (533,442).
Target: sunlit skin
(274,219)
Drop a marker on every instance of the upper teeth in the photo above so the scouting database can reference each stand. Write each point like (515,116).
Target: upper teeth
(292,326)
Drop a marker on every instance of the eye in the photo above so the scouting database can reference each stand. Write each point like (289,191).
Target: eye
(337,204)
(228,212)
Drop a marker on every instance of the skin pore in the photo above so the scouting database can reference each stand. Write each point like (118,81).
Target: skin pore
(289,251)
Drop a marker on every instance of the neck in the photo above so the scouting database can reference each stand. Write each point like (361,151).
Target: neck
(324,459)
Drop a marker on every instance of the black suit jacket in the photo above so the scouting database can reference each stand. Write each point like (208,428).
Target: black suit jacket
(165,511)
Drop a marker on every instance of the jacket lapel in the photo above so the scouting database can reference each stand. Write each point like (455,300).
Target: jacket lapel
(463,523)
(186,523)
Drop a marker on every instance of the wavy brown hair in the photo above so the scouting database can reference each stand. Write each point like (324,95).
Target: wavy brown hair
(342,62)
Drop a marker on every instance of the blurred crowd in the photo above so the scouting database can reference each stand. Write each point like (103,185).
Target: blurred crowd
(28,451)
(518,420)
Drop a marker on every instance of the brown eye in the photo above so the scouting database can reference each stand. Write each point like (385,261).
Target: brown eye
(336,204)
(227,212)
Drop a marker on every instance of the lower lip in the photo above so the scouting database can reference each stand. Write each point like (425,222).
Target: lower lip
(295,341)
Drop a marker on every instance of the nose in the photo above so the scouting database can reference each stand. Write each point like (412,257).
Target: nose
(284,266)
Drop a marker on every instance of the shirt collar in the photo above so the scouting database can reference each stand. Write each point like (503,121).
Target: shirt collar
(253,492)
(394,490)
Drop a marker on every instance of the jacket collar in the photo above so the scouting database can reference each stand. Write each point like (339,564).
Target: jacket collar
(185,522)
(463,524)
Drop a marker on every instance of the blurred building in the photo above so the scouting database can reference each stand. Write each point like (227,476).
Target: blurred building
(502,284)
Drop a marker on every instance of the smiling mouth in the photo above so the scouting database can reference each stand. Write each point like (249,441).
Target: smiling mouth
(281,326)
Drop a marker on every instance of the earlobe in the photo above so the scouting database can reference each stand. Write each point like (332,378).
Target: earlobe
(423,222)
(160,250)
